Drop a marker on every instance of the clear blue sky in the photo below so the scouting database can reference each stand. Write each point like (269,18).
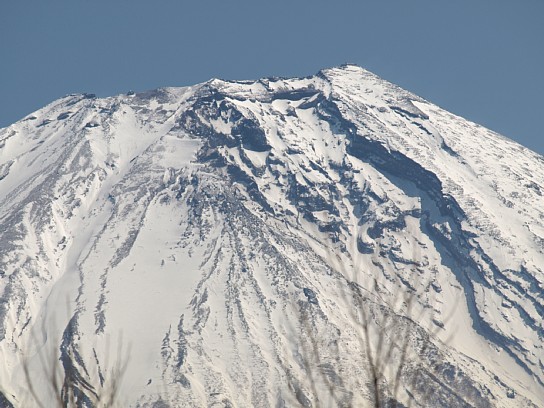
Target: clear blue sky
(481,59)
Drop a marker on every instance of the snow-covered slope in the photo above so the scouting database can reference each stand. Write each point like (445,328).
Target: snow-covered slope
(225,241)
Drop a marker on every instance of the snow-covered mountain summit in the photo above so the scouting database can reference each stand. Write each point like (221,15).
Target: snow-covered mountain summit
(228,235)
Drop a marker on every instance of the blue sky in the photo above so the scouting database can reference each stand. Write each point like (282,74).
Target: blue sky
(481,59)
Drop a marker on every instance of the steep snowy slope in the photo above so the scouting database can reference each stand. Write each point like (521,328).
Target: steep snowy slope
(229,238)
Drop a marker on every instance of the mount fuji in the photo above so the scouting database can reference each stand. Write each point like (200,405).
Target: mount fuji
(269,243)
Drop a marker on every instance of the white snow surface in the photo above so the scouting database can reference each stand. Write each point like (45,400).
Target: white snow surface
(210,238)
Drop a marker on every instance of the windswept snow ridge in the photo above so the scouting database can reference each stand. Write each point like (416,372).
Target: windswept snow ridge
(223,236)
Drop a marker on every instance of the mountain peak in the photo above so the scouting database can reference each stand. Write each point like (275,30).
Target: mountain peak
(229,230)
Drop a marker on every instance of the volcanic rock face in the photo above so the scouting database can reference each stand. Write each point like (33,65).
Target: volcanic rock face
(257,243)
